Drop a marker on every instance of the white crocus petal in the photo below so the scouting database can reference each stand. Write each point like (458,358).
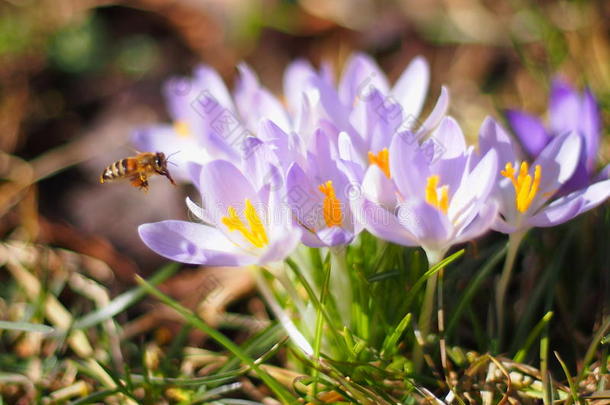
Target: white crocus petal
(476,186)
(361,74)
(438,112)
(411,88)
(187,242)
(199,212)
(493,136)
(557,161)
(377,188)
(449,138)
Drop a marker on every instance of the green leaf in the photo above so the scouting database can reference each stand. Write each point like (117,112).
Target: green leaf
(390,342)
(26,327)
(283,394)
(125,300)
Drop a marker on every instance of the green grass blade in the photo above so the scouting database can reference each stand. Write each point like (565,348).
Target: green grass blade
(95,398)
(473,286)
(125,300)
(593,347)
(314,299)
(520,356)
(26,327)
(573,388)
(283,394)
(390,342)
(433,270)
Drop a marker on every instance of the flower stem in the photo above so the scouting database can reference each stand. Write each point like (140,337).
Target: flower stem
(293,333)
(317,343)
(440,317)
(425,319)
(340,283)
(514,241)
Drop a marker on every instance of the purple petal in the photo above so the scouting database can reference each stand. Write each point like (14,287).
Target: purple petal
(305,201)
(199,212)
(557,161)
(594,195)
(361,75)
(493,136)
(590,128)
(501,225)
(580,179)
(411,88)
(529,130)
(564,105)
(438,112)
(384,224)
(296,77)
(428,224)
(408,165)
(576,203)
(377,188)
(450,138)
(187,242)
(487,214)
(255,102)
(476,186)
(335,235)
(556,213)
(208,80)
(281,247)
(225,186)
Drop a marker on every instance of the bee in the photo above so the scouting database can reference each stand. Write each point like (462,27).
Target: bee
(138,169)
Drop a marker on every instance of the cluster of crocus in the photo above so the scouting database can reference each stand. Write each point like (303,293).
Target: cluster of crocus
(338,158)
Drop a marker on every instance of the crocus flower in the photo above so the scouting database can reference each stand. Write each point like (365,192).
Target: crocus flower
(242,225)
(211,123)
(433,202)
(568,111)
(525,190)
(377,112)
(318,192)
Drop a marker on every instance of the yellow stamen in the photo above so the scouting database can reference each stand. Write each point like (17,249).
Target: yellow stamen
(333,216)
(525,186)
(381,159)
(254,232)
(433,191)
(182,128)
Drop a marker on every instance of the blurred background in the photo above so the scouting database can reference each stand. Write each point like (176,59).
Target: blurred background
(78,76)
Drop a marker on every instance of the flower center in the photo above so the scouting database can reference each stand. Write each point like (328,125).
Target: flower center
(333,216)
(182,128)
(436,196)
(525,187)
(254,231)
(381,159)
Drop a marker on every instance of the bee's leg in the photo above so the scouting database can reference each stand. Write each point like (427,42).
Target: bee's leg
(140,181)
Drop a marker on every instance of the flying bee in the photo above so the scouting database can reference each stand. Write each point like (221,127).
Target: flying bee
(138,169)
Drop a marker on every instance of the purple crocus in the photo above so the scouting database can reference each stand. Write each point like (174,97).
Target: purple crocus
(211,123)
(433,202)
(318,192)
(242,225)
(525,191)
(377,112)
(569,111)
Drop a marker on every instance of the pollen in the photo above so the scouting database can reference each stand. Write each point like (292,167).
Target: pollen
(436,196)
(253,230)
(182,128)
(381,159)
(525,186)
(333,216)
